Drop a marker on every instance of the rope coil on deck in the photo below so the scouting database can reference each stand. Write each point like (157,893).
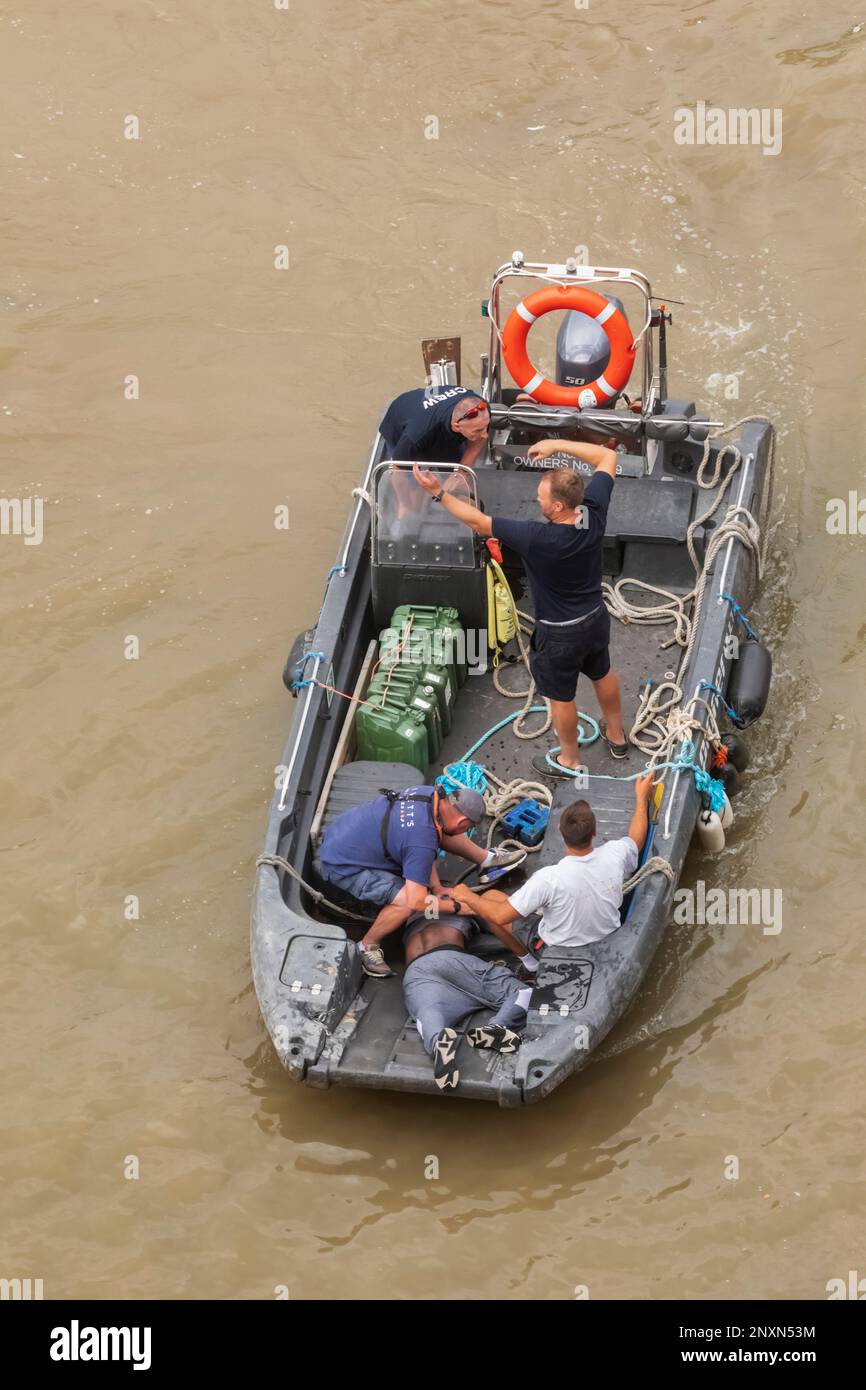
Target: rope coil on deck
(662,720)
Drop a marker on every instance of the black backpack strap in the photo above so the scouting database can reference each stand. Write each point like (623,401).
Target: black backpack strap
(386,819)
(391,797)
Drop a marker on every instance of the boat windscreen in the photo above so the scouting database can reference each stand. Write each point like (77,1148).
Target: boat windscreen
(410,529)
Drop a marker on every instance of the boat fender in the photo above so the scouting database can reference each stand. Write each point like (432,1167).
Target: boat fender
(293,669)
(749,682)
(709,828)
(725,772)
(727,815)
(738,753)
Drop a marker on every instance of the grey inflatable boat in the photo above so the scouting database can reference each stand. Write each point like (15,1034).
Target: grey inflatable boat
(684,546)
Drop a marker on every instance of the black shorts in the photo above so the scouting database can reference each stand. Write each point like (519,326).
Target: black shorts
(558,655)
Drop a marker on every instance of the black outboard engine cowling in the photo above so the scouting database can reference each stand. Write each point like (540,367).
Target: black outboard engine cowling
(582,348)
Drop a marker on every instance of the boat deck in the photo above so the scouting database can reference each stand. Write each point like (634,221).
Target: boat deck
(635,655)
(377,1039)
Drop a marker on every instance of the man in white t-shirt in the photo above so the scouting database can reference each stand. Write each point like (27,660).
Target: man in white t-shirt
(580,897)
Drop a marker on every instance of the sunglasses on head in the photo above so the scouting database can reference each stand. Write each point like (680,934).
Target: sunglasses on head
(476,410)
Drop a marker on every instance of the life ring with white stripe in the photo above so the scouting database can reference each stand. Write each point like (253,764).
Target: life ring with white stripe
(586,301)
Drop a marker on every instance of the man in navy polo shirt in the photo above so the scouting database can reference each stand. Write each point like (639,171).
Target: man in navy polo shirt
(384,852)
(563,559)
(445,424)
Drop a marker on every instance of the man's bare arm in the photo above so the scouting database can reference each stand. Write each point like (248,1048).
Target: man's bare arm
(410,899)
(643,791)
(474,451)
(491,907)
(476,520)
(602,459)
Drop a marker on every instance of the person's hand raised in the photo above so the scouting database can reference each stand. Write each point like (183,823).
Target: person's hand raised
(544,448)
(644,787)
(424,478)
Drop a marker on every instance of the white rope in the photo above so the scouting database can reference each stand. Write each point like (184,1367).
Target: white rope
(662,721)
(738,523)
(671,611)
(656,865)
(278,862)
(523,623)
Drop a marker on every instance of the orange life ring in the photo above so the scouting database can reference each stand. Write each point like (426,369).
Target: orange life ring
(606,315)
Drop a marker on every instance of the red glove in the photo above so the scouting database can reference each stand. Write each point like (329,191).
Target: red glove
(493,546)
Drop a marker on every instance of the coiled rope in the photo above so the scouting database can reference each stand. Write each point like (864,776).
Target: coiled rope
(662,720)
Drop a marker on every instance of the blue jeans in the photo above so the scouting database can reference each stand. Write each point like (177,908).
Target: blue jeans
(376,886)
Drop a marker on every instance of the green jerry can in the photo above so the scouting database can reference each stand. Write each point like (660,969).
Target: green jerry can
(442,639)
(399,688)
(393,735)
(438,678)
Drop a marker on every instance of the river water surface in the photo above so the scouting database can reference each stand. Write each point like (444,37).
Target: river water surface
(133,1043)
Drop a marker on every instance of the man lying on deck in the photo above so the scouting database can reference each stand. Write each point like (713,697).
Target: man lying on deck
(443,985)
(580,897)
(384,852)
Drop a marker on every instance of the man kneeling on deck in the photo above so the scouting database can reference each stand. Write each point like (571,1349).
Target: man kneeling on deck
(384,852)
(580,897)
(443,984)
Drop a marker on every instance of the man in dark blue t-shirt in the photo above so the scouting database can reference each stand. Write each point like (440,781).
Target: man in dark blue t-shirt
(563,559)
(384,852)
(446,424)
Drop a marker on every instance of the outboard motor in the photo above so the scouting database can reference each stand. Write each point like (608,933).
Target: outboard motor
(582,349)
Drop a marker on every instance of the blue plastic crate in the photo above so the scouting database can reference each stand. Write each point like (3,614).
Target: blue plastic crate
(527,821)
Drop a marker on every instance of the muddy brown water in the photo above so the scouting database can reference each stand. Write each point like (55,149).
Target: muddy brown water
(138,1041)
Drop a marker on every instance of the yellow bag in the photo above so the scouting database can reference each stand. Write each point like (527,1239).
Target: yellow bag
(501,612)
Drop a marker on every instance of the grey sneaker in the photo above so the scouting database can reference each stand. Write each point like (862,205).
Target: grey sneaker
(373,962)
(503,861)
(445,1060)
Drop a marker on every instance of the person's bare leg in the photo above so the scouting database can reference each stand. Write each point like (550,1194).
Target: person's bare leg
(507,937)
(564,716)
(608,695)
(389,919)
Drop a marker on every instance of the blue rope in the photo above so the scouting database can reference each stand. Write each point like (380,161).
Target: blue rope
(534,709)
(462,774)
(742,617)
(710,786)
(731,713)
(685,762)
(297,683)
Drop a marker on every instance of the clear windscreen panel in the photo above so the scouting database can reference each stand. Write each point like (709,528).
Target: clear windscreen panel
(409,528)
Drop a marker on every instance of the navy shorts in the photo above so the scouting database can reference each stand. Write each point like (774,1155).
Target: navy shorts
(558,655)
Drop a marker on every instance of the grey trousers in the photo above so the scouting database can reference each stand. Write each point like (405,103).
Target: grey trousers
(444,987)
